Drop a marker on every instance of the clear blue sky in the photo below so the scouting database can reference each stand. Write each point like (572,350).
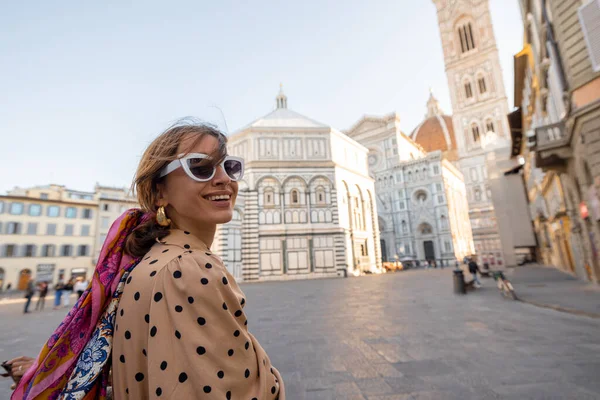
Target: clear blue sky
(85,86)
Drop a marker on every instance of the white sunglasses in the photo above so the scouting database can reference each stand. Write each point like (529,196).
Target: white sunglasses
(200,171)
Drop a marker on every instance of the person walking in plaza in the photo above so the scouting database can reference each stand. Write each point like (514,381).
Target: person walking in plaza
(29,292)
(43,288)
(474,269)
(67,292)
(80,287)
(167,317)
(58,290)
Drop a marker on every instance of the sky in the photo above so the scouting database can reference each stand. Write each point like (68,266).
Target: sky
(86,86)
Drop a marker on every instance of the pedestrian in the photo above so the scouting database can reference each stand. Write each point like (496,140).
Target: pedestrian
(9,286)
(179,325)
(474,269)
(67,292)
(43,287)
(29,292)
(58,290)
(80,287)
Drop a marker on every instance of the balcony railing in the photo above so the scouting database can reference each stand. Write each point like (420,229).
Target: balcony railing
(551,136)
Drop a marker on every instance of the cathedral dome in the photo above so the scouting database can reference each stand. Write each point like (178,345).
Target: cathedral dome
(436,132)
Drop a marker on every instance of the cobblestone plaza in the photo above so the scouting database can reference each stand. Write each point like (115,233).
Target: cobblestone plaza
(395,337)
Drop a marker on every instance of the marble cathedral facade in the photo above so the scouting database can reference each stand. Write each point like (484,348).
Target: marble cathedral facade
(306,206)
(421,196)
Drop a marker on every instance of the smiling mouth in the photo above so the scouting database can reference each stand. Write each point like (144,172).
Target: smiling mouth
(221,197)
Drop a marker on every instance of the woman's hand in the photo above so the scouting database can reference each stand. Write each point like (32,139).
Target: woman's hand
(19,366)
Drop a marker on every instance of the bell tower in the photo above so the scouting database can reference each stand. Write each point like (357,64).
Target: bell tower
(479,106)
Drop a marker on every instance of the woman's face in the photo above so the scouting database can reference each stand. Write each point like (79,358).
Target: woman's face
(189,203)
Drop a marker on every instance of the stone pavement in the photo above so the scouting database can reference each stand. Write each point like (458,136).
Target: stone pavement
(397,336)
(552,288)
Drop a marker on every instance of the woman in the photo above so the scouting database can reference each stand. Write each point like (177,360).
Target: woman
(171,310)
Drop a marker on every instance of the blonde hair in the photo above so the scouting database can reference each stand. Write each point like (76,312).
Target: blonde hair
(159,153)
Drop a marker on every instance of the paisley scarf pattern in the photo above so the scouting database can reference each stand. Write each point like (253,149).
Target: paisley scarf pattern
(74,362)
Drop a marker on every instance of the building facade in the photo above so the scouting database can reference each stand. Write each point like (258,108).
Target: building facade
(112,202)
(479,113)
(557,90)
(46,232)
(305,207)
(421,197)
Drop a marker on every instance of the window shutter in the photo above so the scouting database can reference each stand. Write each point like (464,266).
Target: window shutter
(2,250)
(589,17)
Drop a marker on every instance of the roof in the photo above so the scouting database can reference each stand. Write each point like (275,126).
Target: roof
(284,118)
(435,133)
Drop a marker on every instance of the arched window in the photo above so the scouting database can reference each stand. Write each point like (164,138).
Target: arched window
(269,197)
(467,40)
(404,227)
(489,126)
(294,196)
(320,193)
(481,84)
(468,90)
(426,229)
(421,197)
(477,193)
(443,222)
(475,132)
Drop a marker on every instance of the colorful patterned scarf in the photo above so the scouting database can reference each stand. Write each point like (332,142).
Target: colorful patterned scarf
(75,362)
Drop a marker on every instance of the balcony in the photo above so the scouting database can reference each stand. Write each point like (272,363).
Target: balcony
(552,146)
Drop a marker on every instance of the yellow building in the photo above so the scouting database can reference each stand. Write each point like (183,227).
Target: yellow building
(46,232)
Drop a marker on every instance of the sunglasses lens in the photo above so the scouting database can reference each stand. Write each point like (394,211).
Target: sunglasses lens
(201,168)
(234,169)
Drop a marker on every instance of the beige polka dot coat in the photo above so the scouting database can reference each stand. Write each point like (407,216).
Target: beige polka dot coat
(181,332)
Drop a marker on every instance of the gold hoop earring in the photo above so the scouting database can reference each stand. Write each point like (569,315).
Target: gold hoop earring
(161,217)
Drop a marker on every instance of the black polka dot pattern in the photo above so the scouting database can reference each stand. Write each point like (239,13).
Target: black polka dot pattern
(186,232)
(176,300)
(186,246)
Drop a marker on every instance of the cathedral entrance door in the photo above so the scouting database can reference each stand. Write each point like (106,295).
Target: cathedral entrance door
(429,251)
